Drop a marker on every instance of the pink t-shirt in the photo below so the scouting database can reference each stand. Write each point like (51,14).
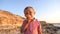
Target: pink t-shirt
(33,28)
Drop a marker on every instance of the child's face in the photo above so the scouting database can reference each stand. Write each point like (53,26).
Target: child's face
(29,13)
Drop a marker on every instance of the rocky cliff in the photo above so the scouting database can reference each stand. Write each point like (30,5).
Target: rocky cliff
(9,20)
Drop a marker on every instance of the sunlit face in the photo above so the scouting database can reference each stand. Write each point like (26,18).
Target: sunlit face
(29,13)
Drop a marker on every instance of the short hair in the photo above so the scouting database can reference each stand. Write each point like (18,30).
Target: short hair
(28,7)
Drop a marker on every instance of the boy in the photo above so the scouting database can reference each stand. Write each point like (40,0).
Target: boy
(30,24)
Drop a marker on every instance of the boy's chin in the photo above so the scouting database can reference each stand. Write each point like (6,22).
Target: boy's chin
(29,18)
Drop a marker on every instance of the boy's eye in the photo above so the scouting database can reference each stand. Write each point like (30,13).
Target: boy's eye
(28,12)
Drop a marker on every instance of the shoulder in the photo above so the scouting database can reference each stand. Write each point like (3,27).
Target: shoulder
(36,21)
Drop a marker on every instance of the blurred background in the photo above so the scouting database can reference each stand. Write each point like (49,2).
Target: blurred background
(12,15)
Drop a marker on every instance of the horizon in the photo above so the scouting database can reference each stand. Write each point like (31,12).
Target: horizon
(46,10)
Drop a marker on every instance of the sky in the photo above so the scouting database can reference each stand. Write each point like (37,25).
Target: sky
(46,10)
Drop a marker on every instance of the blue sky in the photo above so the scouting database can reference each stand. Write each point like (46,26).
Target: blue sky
(46,10)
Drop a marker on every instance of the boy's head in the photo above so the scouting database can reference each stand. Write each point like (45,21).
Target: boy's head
(29,12)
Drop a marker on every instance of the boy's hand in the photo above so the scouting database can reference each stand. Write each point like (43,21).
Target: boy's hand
(24,27)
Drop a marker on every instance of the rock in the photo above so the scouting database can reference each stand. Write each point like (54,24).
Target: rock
(48,28)
(7,18)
